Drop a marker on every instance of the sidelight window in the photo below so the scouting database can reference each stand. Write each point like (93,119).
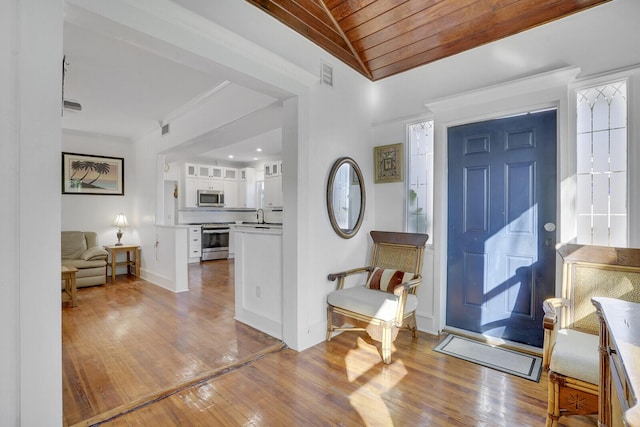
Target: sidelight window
(419,209)
(602,165)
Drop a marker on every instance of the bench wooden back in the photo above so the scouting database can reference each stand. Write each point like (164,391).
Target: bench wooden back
(596,271)
(398,251)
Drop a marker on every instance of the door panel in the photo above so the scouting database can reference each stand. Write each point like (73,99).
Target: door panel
(502,190)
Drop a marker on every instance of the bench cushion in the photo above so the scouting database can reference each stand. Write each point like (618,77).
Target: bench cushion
(370,302)
(576,355)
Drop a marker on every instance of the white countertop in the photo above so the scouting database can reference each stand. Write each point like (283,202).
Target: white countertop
(258,228)
(256,224)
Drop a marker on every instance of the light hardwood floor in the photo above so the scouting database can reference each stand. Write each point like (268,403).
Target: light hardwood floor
(137,355)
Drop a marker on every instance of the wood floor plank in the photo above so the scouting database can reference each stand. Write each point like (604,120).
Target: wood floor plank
(342,382)
(129,339)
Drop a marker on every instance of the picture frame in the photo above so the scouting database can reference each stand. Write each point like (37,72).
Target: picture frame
(388,161)
(92,174)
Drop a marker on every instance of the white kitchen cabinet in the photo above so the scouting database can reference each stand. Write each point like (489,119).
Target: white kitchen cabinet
(272,185)
(203,171)
(210,171)
(216,172)
(247,174)
(210,184)
(190,193)
(230,189)
(209,177)
(190,170)
(230,174)
(247,188)
(273,191)
(195,243)
(272,169)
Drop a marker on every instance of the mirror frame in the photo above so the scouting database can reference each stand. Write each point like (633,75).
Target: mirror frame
(332,176)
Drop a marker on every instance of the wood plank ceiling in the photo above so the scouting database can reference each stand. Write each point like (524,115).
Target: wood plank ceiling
(380,38)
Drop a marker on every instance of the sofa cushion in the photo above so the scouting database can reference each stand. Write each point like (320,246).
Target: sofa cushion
(576,355)
(73,244)
(370,302)
(94,253)
(387,279)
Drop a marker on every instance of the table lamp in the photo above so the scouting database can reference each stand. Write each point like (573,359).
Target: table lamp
(120,222)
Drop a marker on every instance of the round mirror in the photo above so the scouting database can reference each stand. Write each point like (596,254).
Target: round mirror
(345,197)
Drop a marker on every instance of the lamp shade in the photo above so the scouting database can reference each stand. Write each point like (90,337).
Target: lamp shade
(121,221)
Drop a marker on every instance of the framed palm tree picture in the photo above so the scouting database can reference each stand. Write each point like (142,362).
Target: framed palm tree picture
(88,174)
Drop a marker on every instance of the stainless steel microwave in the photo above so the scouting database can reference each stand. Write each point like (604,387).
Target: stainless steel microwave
(208,198)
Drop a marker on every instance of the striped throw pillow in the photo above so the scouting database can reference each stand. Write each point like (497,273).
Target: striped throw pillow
(387,279)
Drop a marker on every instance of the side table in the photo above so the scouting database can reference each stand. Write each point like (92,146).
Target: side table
(69,277)
(132,262)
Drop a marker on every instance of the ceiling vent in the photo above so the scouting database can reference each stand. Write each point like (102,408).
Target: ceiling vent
(165,129)
(326,75)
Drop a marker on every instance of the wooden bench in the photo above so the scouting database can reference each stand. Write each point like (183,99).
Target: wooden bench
(571,325)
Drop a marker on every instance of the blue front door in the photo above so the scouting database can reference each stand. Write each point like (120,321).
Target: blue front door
(502,215)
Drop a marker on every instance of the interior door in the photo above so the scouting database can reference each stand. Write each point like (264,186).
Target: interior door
(502,215)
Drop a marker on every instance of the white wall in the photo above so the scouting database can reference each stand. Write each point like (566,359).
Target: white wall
(339,126)
(86,212)
(390,216)
(30,87)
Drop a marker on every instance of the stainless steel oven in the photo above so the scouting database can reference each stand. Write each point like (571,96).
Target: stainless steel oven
(215,241)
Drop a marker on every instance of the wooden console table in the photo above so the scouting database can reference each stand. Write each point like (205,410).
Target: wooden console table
(132,262)
(69,277)
(619,362)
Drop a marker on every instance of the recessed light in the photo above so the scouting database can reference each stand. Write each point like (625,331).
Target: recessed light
(230,156)
(258,149)
(255,158)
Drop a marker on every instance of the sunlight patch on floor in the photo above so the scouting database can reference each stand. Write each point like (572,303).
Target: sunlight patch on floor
(368,400)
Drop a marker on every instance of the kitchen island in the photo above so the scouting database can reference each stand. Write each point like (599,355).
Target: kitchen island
(258,276)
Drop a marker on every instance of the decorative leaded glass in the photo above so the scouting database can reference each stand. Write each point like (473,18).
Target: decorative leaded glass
(420,178)
(602,165)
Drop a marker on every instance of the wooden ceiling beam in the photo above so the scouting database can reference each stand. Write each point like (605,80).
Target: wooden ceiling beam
(363,68)
(340,9)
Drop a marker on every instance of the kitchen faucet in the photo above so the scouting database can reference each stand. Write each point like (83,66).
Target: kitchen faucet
(260,216)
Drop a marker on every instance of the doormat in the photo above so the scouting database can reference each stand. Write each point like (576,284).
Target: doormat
(501,359)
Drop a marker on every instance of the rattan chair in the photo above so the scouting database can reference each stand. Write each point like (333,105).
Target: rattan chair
(571,346)
(387,302)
